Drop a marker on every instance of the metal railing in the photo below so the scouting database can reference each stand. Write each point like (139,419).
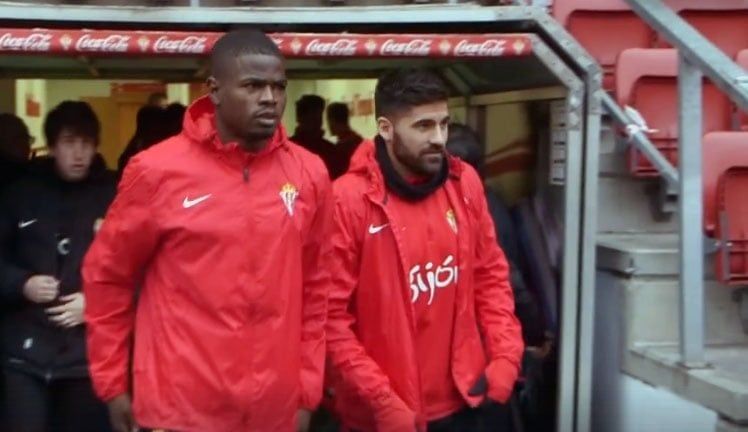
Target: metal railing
(697,58)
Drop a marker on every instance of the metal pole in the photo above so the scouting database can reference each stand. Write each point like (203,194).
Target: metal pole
(642,143)
(691,240)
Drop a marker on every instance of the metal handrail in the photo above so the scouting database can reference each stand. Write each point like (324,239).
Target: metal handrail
(697,57)
(641,142)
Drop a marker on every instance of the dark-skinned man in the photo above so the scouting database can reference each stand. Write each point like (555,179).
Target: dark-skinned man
(223,226)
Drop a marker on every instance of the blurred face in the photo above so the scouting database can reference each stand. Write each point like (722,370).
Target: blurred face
(73,155)
(336,128)
(250,96)
(416,139)
(311,121)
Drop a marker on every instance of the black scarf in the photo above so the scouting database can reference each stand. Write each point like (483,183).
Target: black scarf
(401,187)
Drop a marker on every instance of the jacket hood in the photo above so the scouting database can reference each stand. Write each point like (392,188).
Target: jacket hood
(200,126)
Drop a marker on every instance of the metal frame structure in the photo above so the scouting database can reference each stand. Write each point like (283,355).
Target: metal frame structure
(560,53)
(697,58)
(639,139)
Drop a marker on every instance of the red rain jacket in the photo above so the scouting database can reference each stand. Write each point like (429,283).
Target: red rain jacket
(370,328)
(227,246)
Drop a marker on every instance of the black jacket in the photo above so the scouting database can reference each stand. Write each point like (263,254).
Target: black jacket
(525,303)
(46,227)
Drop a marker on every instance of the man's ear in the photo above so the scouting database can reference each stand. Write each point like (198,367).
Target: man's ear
(212,84)
(385,128)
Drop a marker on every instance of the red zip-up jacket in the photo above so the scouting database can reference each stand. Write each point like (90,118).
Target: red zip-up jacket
(227,246)
(371,329)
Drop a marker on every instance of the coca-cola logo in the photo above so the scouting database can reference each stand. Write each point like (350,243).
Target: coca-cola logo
(111,43)
(187,45)
(32,42)
(340,47)
(488,48)
(415,47)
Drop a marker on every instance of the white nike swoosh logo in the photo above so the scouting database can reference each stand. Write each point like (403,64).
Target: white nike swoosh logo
(24,224)
(375,229)
(187,203)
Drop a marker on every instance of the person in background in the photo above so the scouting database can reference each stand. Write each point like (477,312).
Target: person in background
(464,143)
(421,327)
(224,228)
(338,121)
(15,148)
(152,126)
(48,219)
(174,118)
(158,99)
(309,133)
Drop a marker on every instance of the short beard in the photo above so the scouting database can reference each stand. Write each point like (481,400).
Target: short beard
(412,163)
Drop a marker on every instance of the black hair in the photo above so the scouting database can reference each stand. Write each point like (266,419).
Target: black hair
(155,97)
(175,117)
(309,103)
(402,89)
(13,129)
(338,112)
(150,121)
(464,143)
(241,42)
(15,137)
(74,116)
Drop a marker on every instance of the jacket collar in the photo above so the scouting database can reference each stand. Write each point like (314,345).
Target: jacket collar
(364,163)
(200,126)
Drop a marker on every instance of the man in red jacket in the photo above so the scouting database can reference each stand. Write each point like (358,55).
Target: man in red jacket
(421,327)
(224,227)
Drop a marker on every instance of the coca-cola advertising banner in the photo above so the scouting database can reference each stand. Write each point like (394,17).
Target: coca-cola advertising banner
(293,45)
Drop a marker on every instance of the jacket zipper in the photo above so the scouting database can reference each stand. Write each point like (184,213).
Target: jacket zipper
(410,304)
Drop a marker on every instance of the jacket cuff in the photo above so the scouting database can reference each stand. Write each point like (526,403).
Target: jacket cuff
(307,402)
(501,375)
(107,393)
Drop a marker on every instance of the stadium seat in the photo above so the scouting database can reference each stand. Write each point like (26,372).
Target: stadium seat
(647,80)
(593,22)
(711,18)
(720,151)
(732,225)
(742,117)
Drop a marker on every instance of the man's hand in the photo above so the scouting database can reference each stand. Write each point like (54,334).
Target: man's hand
(303,418)
(120,414)
(41,289)
(70,313)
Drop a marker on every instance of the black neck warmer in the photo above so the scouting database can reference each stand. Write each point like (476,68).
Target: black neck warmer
(401,187)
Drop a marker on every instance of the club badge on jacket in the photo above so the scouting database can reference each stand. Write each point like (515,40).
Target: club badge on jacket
(288,194)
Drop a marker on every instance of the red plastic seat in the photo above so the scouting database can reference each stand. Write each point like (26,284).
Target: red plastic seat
(732,226)
(720,151)
(724,22)
(648,81)
(742,60)
(604,28)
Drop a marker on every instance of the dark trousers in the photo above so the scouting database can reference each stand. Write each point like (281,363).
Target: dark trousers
(489,417)
(65,405)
